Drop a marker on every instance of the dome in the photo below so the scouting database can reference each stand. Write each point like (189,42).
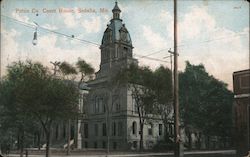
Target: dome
(116,30)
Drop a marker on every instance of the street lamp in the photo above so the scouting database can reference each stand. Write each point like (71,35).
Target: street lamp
(34,41)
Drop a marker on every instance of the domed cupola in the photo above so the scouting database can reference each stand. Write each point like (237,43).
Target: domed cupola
(116,47)
(116,30)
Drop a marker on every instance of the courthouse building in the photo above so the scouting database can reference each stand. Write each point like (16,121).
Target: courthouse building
(111,106)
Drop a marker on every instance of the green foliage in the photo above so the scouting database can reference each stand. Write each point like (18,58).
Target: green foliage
(205,102)
(30,94)
(67,69)
(163,84)
(151,91)
(84,68)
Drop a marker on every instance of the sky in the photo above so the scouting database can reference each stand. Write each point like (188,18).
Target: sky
(214,33)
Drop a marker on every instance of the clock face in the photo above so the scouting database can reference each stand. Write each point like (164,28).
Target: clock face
(123,36)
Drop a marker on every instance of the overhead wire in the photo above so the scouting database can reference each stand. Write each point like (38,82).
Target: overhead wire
(72,37)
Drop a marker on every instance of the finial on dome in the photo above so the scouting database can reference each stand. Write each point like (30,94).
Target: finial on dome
(116,11)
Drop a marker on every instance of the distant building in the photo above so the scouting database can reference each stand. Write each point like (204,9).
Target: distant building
(112,107)
(241,84)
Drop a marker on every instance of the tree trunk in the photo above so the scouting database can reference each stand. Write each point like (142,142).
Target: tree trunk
(18,140)
(141,136)
(208,142)
(189,140)
(21,142)
(39,140)
(76,134)
(199,141)
(48,143)
(69,138)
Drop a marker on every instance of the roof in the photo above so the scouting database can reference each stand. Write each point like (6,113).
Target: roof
(116,8)
(115,29)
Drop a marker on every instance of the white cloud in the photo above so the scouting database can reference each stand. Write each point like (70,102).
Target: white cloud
(194,23)
(22,18)
(69,20)
(154,39)
(50,27)
(9,47)
(93,25)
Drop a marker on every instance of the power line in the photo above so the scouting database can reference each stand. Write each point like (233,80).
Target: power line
(150,58)
(73,38)
(52,31)
(211,40)
(154,53)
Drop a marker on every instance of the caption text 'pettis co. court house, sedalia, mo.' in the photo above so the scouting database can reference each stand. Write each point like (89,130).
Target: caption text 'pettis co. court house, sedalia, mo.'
(61,10)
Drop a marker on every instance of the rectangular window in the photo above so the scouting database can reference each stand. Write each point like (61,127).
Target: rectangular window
(114,145)
(96,105)
(95,144)
(160,129)
(114,129)
(86,130)
(96,129)
(103,144)
(64,131)
(117,106)
(150,129)
(100,104)
(104,129)
(120,129)
(93,105)
(86,144)
(125,51)
(104,108)
(134,104)
(135,144)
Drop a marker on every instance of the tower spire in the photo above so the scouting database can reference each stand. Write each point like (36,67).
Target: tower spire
(116,11)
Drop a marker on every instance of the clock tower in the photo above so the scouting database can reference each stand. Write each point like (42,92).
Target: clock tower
(111,120)
(116,47)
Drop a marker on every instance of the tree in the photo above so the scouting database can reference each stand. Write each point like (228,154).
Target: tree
(150,90)
(11,111)
(163,90)
(205,103)
(85,69)
(41,95)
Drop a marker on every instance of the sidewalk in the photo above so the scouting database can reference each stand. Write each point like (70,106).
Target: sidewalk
(219,153)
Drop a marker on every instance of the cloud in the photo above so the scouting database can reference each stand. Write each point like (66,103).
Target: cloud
(50,27)
(93,25)
(194,23)
(69,19)
(9,47)
(154,39)
(22,18)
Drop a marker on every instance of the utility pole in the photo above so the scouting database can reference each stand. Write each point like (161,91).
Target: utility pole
(178,149)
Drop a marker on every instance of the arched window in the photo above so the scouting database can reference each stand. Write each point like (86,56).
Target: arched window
(150,129)
(134,128)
